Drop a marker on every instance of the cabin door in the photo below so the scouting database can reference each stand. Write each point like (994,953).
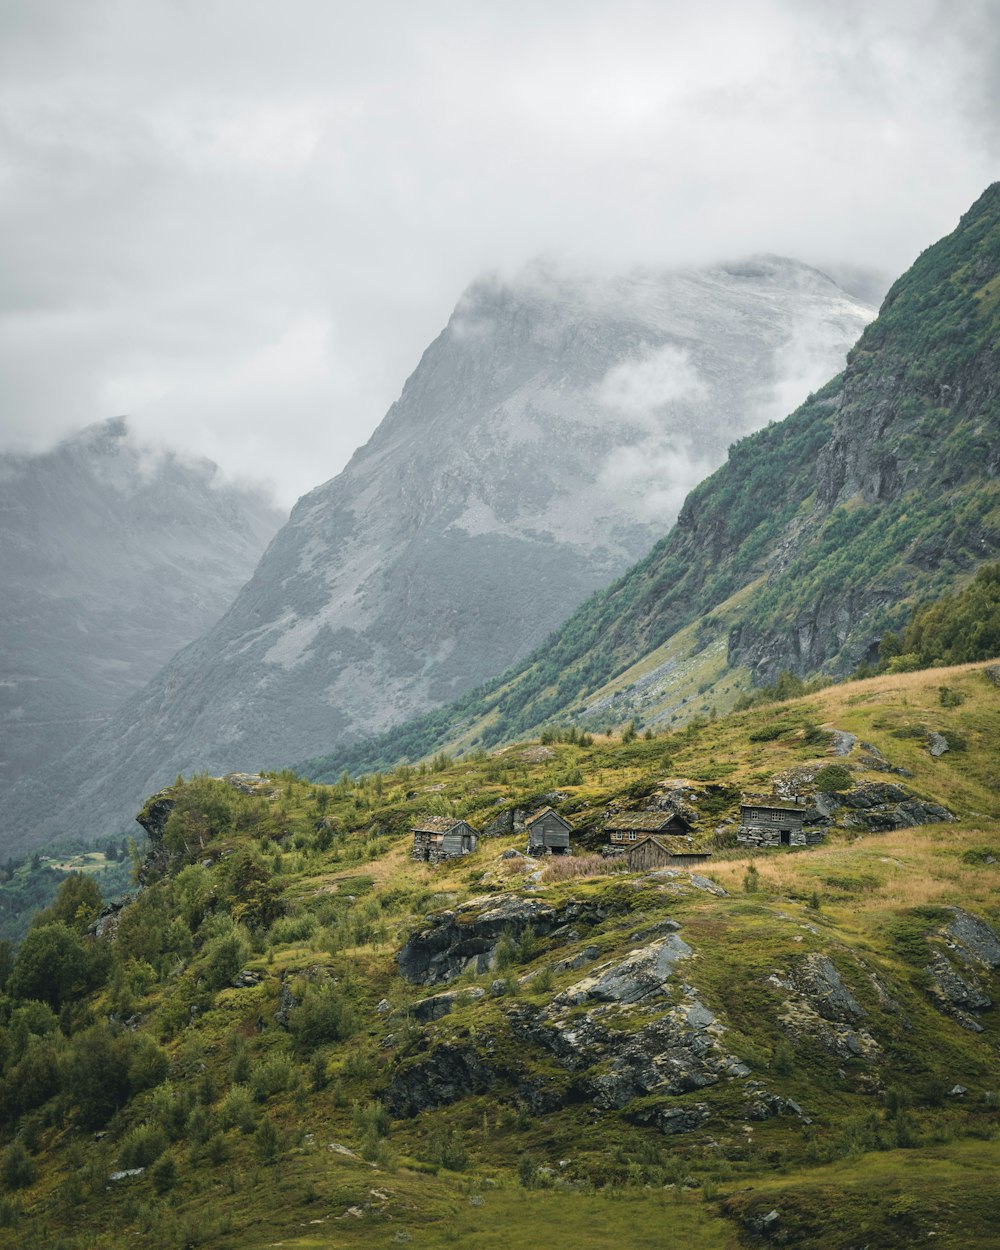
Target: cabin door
(786,837)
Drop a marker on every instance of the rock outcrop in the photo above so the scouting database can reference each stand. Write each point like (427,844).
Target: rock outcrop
(816,1004)
(970,942)
(467,938)
(632,1029)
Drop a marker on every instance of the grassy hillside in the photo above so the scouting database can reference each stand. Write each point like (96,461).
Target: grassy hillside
(245,1035)
(819,535)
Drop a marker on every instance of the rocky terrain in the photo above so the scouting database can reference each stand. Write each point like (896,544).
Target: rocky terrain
(542,445)
(113,555)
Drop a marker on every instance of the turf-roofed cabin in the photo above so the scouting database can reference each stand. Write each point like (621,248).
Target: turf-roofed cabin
(443,837)
(548,833)
(651,852)
(628,828)
(767,820)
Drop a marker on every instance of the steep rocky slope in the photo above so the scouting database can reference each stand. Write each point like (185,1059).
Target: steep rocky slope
(113,555)
(816,535)
(542,445)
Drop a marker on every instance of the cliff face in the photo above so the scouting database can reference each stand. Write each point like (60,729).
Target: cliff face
(817,534)
(545,440)
(906,486)
(113,555)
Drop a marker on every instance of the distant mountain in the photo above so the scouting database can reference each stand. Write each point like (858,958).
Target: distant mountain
(816,536)
(544,442)
(113,555)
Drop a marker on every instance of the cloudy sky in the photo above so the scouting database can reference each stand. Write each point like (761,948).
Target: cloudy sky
(241,221)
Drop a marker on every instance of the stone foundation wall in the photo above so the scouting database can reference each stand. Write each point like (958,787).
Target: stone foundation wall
(752,835)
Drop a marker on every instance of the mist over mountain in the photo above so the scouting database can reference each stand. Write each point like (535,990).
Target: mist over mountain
(820,534)
(545,441)
(113,555)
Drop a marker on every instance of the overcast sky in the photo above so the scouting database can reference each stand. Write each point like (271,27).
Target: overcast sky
(241,221)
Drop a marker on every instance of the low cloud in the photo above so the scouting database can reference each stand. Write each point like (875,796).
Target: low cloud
(641,389)
(184,187)
(656,392)
(658,473)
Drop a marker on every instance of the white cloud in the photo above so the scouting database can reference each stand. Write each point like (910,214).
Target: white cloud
(640,388)
(656,472)
(183,187)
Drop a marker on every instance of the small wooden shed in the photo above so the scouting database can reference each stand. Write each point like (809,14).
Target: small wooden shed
(767,820)
(548,833)
(652,852)
(443,837)
(628,828)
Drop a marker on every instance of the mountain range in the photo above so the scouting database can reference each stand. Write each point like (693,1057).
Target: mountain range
(545,441)
(113,555)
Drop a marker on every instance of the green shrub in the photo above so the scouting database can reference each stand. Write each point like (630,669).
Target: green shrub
(143,1146)
(18,1170)
(527,1171)
(445,1148)
(237,1109)
(771,732)
(833,779)
(783,1059)
(225,958)
(51,965)
(266,1141)
(164,1174)
(326,1014)
(270,1075)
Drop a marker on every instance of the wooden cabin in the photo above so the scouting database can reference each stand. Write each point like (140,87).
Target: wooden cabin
(767,820)
(628,828)
(548,833)
(652,852)
(443,837)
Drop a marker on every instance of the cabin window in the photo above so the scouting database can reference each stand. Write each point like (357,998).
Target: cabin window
(617,835)
(632,835)
(755,813)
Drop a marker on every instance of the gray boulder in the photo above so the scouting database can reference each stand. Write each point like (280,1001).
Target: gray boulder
(641,975)
(447,1075)
(467,938)
(975,938)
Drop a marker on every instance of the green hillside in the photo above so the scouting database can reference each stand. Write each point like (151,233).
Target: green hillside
(819,534)
(297,1035)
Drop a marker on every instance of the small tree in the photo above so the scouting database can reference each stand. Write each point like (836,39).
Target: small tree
(51,965)
(266,1142)
(76,904)
(18,1170)
(164,1174)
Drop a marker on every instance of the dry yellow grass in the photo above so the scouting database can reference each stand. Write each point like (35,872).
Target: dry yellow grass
(886,871)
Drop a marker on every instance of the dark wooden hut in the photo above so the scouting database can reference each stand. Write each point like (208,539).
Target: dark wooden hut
(443,837)
(652,852)
(629,828)
(548,833)
(767,820)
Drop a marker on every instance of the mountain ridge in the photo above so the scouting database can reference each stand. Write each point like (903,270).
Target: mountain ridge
(114,552)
